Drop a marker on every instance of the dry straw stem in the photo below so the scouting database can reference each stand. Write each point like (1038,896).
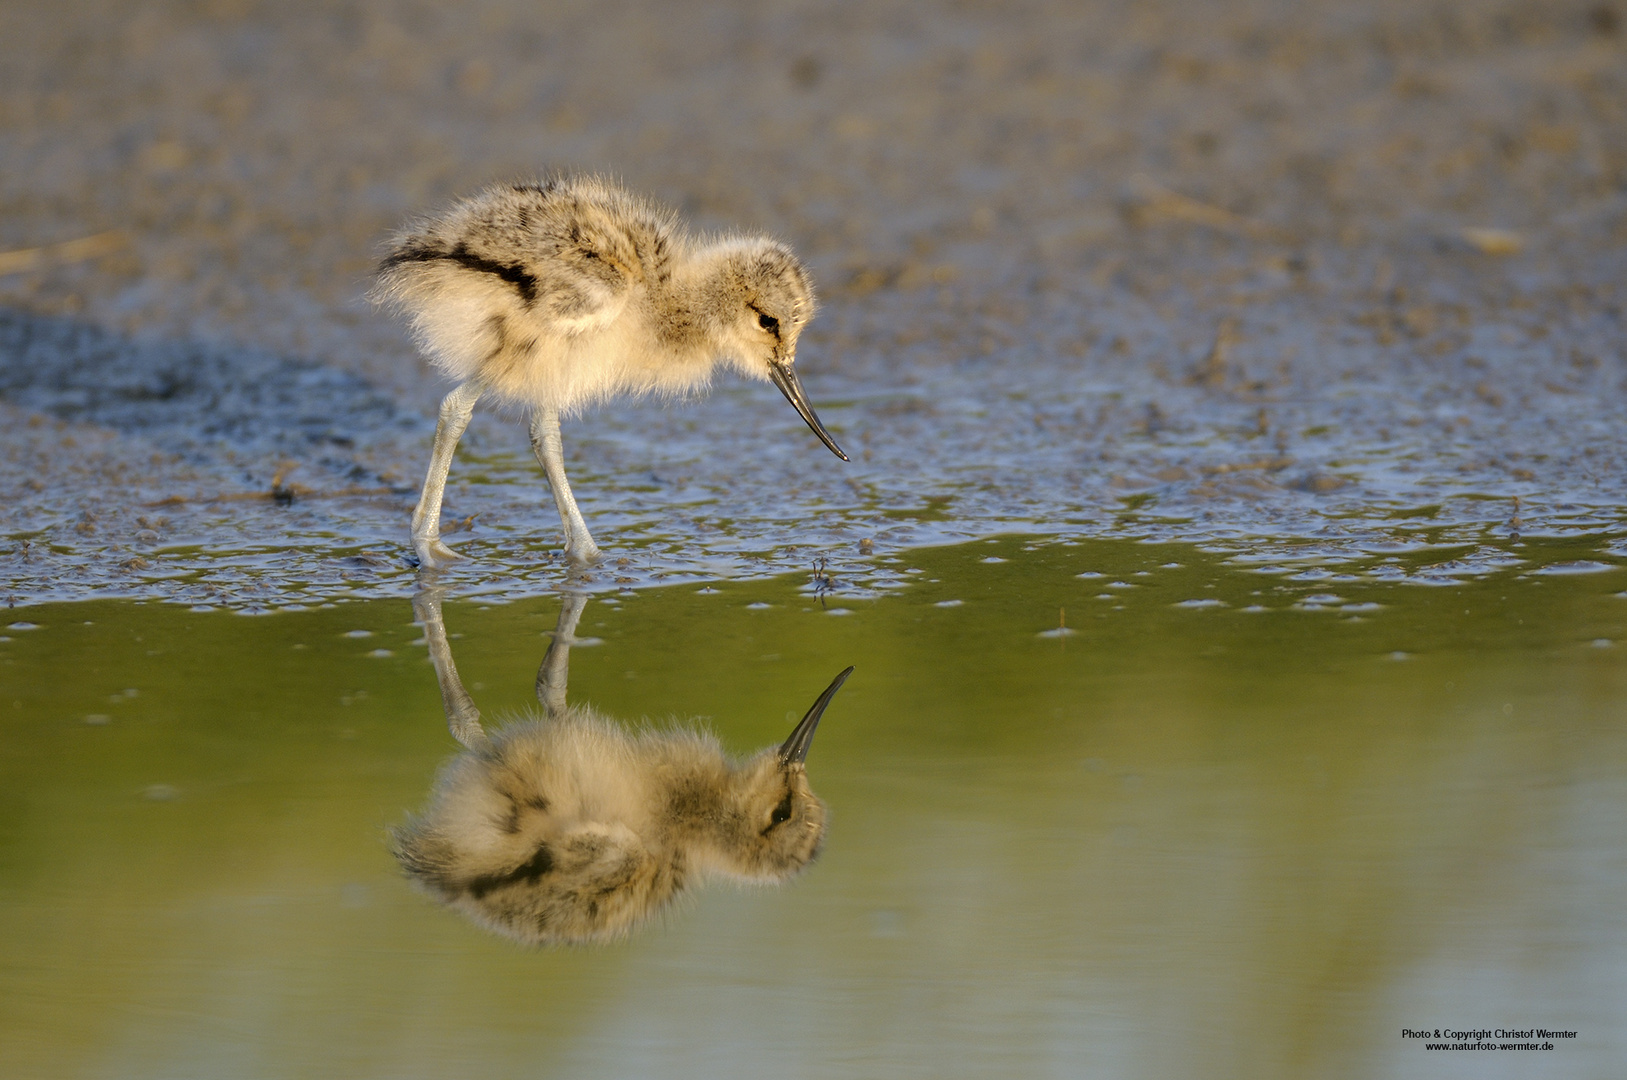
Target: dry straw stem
(285,495)
(1212,372)
(1493,241)
(1273,464)
(280,492)
(86,247)
(1149,201)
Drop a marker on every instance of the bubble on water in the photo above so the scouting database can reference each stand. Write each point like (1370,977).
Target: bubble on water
(380,654)
(887,924)
(1208,603)
(359,633)
(949,603)
(23,626)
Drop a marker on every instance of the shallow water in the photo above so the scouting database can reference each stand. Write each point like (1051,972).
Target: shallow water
(1233,822)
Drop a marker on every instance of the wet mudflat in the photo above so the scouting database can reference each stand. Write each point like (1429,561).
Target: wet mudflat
(1254,271)
(1235,820)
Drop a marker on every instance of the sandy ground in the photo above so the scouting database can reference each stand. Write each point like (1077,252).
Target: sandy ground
(1237,271)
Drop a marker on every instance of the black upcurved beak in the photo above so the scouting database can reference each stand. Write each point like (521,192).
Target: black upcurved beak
(795,749)
(785,377)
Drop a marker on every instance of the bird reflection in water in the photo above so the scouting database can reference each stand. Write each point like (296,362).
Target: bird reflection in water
(571,828)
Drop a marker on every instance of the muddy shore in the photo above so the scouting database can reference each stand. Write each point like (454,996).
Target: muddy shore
(1316,280)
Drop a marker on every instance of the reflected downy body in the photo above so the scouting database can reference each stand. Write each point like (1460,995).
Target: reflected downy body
(571,828)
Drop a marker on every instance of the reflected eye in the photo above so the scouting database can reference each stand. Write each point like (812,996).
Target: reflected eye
(768,322)
(782,812)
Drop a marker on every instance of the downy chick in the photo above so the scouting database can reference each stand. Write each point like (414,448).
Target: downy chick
(573,829)
(557,295)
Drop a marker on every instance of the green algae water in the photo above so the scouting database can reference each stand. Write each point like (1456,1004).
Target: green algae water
(1101,808)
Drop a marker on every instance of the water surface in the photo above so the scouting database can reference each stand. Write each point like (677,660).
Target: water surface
(1232,822)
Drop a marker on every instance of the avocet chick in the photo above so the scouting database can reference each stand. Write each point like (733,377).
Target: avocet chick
(554,296)
(573,829)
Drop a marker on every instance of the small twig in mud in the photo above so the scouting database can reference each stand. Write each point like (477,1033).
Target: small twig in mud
(462,525)
(283,496)
(1514,522)
(87,247)
(280,494)
(1061,630)
(1493,241)
(1149,201)
(1212,372)
(822,581)
(1269,464)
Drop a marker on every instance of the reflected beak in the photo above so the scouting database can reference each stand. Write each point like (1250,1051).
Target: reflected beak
(795,749)
(785,377)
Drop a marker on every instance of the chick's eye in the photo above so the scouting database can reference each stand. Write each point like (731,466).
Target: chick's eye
(768,322)
(782,812)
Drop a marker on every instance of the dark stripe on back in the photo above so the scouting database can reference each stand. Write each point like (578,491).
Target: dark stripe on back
(528,872)
(518,276)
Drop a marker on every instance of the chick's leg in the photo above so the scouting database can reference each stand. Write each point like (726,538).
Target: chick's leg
(556,665)
(545,443)
(462,718)
(456,409)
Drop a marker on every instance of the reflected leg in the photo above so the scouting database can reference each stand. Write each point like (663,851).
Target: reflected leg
(456,409)
(545,443)
(462,718)
(556,666)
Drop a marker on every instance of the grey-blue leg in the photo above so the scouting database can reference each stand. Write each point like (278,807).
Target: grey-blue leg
(456,409)
(545,443)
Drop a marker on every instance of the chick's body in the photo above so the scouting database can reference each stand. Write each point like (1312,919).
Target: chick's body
(563,293)
(553,296)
